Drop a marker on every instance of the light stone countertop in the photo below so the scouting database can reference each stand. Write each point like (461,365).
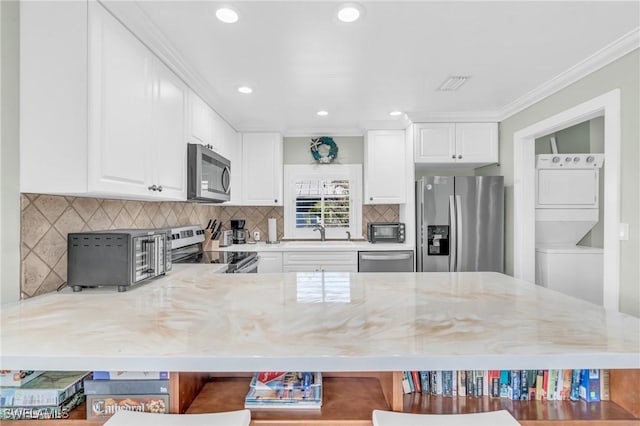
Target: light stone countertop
(316,245)
(198,320)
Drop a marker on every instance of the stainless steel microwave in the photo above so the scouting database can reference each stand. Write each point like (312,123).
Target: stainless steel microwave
(385,232)
(208,174)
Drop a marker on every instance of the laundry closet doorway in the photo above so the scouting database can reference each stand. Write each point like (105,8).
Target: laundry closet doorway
(606,106)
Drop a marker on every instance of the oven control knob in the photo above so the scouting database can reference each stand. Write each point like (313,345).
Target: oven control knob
(568,159)
(591,159)
(555,159)
(576,159)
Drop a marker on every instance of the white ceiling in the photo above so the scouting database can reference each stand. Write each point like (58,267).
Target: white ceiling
(299,58)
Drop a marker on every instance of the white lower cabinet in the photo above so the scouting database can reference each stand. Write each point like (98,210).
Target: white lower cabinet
(342,261)
(269,261)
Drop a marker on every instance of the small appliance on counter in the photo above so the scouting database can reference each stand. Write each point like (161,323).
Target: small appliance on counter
(385,232)
(239,233)
(119,257)
(190,250)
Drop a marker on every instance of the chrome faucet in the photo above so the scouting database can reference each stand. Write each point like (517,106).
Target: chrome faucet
(319,227)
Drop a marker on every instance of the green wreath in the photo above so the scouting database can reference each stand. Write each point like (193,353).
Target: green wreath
(323,155)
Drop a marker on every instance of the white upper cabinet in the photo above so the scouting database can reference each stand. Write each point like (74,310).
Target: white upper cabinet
(466,144)
(385,167)
(200,121)
(262,169)
(134,108)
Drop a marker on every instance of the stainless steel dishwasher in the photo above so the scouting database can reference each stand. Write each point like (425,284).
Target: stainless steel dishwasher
(385,261)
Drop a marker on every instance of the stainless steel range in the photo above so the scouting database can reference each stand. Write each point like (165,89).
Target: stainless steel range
(186,247)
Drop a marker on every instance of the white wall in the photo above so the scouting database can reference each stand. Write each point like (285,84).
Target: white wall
(9,153)
(621,74)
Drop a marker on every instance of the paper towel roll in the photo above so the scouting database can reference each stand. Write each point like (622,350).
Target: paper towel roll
(273,233)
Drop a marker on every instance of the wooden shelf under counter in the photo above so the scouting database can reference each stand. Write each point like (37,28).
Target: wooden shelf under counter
(345,401)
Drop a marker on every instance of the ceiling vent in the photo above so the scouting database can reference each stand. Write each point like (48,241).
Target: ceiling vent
(453,83)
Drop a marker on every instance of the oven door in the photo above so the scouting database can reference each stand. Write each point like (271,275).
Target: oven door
(250,266)
(209,175)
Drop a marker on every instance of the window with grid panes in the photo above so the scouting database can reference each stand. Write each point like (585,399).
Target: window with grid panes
(325,195)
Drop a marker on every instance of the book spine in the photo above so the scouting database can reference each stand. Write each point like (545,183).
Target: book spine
(605,391)
(405,382)
(424,381)
(130,375)
(416,381)
(462,383)
(119,387)
(575,385)
(504,383)
(524,385)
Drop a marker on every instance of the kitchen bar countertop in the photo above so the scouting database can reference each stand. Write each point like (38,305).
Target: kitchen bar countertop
(197,320)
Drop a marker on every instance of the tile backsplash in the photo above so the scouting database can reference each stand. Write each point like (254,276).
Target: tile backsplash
(47,219)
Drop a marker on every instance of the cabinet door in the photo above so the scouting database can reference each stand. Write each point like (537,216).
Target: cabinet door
(120,104)
(269,262)
(262,169)
(339,268)
(169,149)
(477,142)
(385,167)
(200,126)
(434,143)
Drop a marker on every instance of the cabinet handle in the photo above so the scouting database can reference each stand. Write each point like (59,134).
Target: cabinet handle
(459,156)
(370,198)
(275,201)
(453,156)
(153,188)
(160,188)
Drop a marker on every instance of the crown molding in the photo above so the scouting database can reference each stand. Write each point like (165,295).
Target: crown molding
(608,54)
(470,116)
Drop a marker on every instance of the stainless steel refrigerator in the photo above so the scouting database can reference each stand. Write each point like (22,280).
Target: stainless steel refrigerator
(460,223)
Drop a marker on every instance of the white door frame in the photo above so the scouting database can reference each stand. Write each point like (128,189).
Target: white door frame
(607,105)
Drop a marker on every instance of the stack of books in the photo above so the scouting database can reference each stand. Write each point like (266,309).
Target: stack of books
(285,390)
(552,385)
(46,395)
(111,391)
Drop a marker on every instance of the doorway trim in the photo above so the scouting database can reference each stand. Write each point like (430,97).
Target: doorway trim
(607,105)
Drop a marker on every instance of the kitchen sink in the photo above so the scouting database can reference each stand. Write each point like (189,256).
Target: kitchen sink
(318,244)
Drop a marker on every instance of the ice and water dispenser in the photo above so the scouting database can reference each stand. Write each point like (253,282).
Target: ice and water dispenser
(438,240)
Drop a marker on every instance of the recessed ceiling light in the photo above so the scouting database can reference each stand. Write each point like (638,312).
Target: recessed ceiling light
(322,113)
(227,15)
(453,83)
(349,13)
(245,90)
(395,113)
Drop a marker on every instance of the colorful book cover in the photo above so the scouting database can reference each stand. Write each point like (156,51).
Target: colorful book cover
(285,380)
(493,376)
(485,381)
(605,392)
(424,382)
(539,384)
(454,383)
(43,412)
(17,377)
(551,384)
(575,385)
(565,392)
(411,384)
(51,388)
(590,385)
(471,384)
(101,407)
(524,385)
(125,387)
(479,378)
(531,380)
(504,383)
(545,384)
(514,385)
(415,377)
(405,382)
(130,375)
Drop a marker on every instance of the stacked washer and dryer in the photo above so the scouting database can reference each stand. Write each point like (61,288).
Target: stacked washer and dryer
(566,210)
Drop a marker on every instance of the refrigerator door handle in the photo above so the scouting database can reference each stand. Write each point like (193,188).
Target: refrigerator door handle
(453,237)
(459,232)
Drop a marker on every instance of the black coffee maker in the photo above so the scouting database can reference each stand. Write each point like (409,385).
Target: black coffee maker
(239,233)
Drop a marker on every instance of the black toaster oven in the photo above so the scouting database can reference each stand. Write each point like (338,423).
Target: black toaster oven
(119,257)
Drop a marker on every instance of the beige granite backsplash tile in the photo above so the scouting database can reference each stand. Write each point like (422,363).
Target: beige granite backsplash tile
(48,219)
